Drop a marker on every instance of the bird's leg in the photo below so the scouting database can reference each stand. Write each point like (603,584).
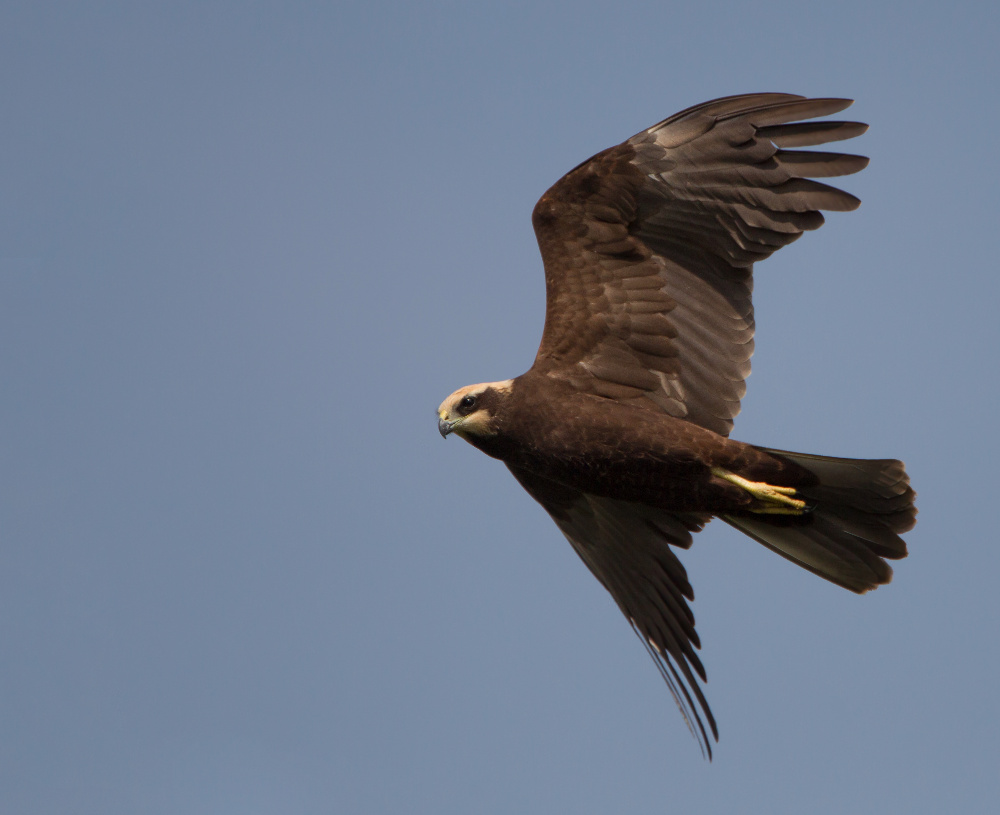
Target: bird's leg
(776,500)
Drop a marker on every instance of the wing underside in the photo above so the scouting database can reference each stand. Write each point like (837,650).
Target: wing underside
(628,548)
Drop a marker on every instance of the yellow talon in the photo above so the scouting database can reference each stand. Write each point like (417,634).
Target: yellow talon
(777,500)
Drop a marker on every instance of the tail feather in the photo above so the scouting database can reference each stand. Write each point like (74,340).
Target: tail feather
(858,508)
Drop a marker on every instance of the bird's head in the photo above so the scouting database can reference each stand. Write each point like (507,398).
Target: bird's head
(473,411)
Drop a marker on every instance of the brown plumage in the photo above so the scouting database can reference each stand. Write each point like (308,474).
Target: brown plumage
(620,428)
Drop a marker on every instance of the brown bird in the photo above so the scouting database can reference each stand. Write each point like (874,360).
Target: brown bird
(620,428)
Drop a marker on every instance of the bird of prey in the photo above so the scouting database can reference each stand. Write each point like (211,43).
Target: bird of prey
(620,429)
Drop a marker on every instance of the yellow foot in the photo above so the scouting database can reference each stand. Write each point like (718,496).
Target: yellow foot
(777,500)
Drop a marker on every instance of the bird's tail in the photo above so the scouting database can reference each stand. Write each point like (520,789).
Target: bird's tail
(854,516)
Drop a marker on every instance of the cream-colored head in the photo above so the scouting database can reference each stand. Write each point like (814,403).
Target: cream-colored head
(471,411)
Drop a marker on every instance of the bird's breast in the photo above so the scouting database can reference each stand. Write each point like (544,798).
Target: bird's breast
(611,450)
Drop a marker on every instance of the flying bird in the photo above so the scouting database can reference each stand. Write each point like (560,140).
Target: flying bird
(620,429)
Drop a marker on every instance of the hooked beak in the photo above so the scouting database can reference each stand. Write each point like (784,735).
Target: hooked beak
(445,427)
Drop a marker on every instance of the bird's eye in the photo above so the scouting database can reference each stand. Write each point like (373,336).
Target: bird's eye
(467,403)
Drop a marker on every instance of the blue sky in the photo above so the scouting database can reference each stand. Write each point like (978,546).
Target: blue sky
(245,251)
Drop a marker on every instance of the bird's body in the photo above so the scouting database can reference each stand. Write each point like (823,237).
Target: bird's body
(620,429)
(624,451)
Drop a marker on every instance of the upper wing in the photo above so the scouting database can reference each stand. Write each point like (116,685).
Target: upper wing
(649,248)
(627,547)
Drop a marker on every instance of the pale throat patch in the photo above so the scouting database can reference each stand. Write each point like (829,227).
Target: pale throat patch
(477,423)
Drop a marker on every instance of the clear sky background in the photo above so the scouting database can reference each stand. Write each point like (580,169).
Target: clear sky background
(247,248)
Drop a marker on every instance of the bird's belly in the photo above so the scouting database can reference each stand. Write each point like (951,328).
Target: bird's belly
(677,481)
(629,454)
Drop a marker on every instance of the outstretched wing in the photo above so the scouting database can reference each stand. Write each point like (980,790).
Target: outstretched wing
(649,248)
(627,547)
